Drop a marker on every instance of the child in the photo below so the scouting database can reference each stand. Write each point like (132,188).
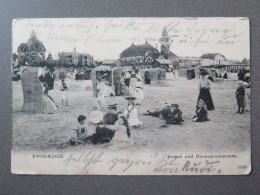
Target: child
(82,135)
(240,95)
(201,112)
(96,116)
(130,113)
(64,88)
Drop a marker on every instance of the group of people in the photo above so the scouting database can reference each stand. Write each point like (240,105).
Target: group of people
(47,79)
(113,126)
(131,85)
(116,125)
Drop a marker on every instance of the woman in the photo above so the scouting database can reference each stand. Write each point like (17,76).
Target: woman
(101,91)
(139,95)
(201,112)
(204,87)
(49,106)
(122,132)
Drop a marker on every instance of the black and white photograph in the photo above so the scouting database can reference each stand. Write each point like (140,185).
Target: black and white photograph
(131,96)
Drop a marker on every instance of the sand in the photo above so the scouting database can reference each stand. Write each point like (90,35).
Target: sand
(226,131)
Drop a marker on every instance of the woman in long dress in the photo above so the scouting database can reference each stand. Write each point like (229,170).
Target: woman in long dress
(49,106)
(139,95)
(204,87)
(102,92)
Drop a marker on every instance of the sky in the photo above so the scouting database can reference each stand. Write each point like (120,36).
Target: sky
(106,38)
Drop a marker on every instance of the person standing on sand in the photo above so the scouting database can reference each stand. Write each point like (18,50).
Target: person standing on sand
(204,88)
(139,94)
(130,113)
(240,95)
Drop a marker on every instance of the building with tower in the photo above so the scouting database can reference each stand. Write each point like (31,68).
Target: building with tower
(165,46)
(31,52)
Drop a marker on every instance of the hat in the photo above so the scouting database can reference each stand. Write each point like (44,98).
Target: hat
(240,82)
(112,106)
(203,72)
(245,84)
(130,98)
(176,105)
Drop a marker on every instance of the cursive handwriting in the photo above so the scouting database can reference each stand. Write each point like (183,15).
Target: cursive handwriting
(85,158)
(127,163)
(171,165)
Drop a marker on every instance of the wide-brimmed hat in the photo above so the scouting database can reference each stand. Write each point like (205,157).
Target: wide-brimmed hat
(130,98)
(245,84)
(112,106)
(240,82)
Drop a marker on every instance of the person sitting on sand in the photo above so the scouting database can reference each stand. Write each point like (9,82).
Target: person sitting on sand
(130,113)
(201,112)
(161,113)
(96,116)
(82,136)
(174,116)
(111,116)
(122,131)
(49,106)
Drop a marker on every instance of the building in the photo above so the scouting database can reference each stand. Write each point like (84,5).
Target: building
(213,60)
(188,62)
(162,63)
(74,58)
(31,52)
(139,55)
(165,47)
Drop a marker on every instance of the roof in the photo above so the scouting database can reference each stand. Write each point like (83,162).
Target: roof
(163,61)
(22,47)
(32,41)
(137,50)
(210,55)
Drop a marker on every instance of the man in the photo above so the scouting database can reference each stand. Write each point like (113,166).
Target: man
(48,78)
(111,116)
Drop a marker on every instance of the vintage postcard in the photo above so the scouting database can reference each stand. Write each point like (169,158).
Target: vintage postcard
(131,96)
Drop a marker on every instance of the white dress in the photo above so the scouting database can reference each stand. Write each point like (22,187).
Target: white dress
(247,99)
(139,90)
(130,113)
(102,93)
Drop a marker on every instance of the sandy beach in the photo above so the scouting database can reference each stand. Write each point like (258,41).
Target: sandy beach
(226,130)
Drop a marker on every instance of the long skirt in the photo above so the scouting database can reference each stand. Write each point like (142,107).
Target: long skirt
(206,97)
(48,105)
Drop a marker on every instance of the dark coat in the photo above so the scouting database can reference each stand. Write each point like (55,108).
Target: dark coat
(240,95)
(171,117)
(48,79)
(110,118)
